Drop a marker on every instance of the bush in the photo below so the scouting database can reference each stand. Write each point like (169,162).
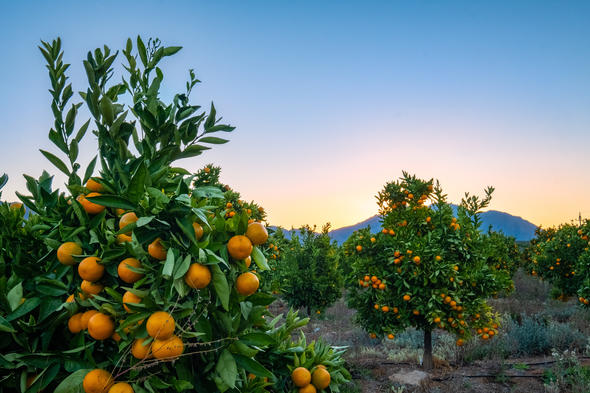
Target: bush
(308,271)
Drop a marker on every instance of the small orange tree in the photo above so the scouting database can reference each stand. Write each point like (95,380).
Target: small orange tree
(144,279)
(308,270)
(426,268)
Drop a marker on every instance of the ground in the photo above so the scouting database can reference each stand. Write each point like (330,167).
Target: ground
(519,360)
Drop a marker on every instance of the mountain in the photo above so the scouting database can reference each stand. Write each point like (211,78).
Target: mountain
(510,225)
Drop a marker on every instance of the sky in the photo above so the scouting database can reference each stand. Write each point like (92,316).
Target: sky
(333,99)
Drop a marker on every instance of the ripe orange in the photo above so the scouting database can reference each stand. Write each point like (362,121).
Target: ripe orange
(307,389)
(89,207)
(86,317)
(116,337)
(390,336)
(91,288)
(438,258)
(320,378)
(139,350)
(160,325)
(100,326)
(436,320)
(416,259)
(75,323)
(126,219)
(460,342)
(248,261)
(65,252)
(385,309)
(129,297)
(239,247)
(247,283)
(93,185)
(373,240)
(169,348)
(126,274)
(359,248)
(89,269)
(407,298)
(15,206)
(122,238)
(198,276)
(157,250)
(97,381)
(198,230)
(120,212)
(257,233)
(70,298)
(301,377)
(121,387)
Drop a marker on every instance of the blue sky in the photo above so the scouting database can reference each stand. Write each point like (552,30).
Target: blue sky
(333,99)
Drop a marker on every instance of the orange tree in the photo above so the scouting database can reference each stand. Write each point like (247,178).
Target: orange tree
(502,252)
(426,268)
(583,267)
(155,292)
(308,270)
(555,256)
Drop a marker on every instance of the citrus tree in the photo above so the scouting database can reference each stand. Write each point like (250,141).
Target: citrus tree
(426,268)
(144,275)
(502,252)
(308,270)
(555,256)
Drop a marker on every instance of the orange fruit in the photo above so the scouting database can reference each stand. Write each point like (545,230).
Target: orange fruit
(247,283)
(93,185)
(89,207)
(198,276)
(416,259)
(75,323)
(119,211)
(198,230)
(301,377)
(129,297)
(257,233)
(122,238)
(91,288)
(116,337)
(168,348)
(139,350)
(248,261)
(359,248)
(320,378)
(239,247)
(126,274)
(407,298)
(460,342)
(90,270)
(97,381)
(157,250)
(126,219)
(86,317)
(15,206)
(121,387)
(65,252)
(308,389)
(100,326)
(70,298)
(160,325)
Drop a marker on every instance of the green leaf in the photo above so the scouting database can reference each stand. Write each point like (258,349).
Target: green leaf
(5,326)
(169,264)
(181,268)
(213,140)
(14,296)
(257,339)
(28,306)
(89,170)
(220,285)
(253,366)
(259,259)
(170,50)
(82,131)
(208,192)
(137,185)
(112,201)
(56,161)
(72,383)
(141,50)
(192,151)
(226,368)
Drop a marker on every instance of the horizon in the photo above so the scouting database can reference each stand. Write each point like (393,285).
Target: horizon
(332,101)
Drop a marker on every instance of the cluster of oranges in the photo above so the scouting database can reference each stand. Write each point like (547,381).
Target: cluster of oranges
(274,251)
(454,224)
(308,382)
(373,281)
(161,342)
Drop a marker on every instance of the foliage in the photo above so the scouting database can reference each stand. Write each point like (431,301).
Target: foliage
(426,268)
(308,270)
(229,342)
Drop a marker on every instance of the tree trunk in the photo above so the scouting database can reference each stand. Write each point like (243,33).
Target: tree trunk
(427,362)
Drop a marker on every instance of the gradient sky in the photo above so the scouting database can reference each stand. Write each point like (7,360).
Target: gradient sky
(332,99)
